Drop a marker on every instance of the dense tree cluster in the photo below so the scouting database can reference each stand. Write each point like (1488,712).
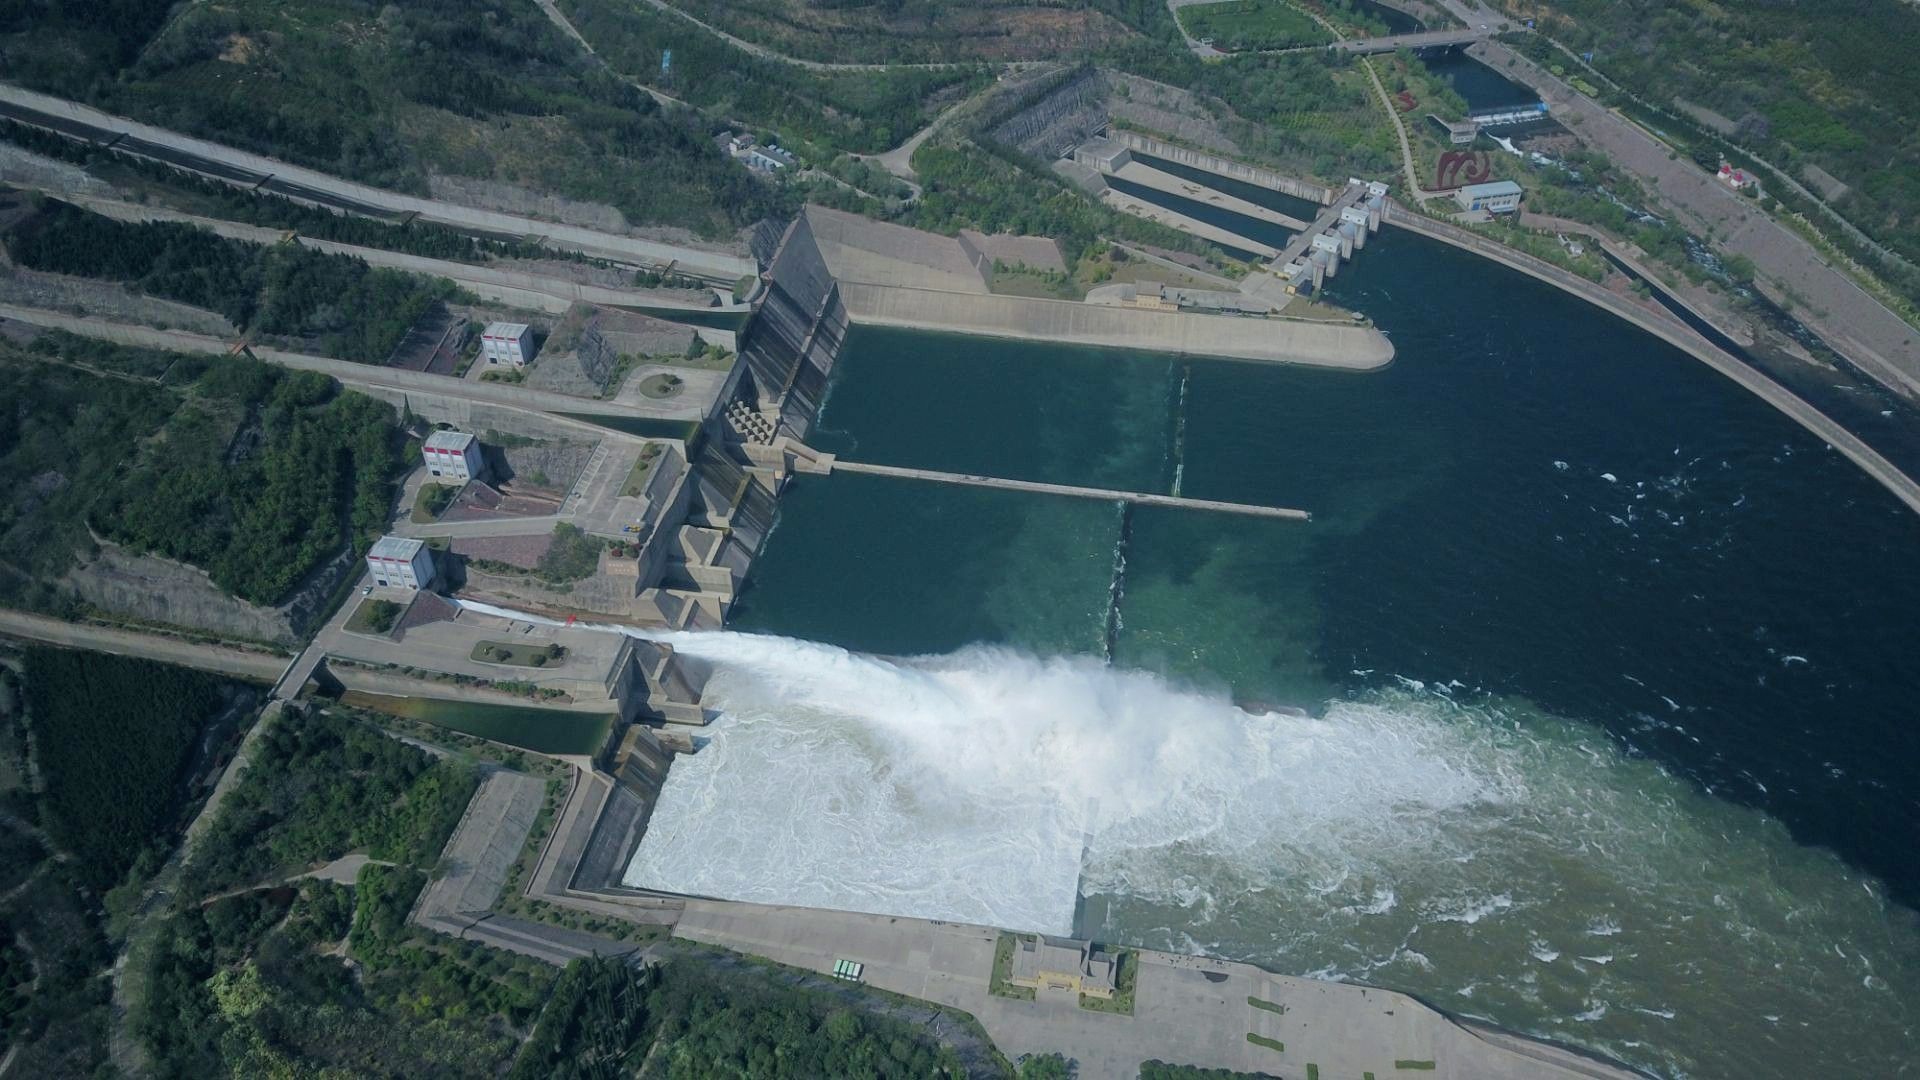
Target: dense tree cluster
(319,786)
(239,988)
(603,1016)
(351,310)
(113,738)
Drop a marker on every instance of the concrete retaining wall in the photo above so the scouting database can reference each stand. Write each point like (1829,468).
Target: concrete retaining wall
(1195,159)
(1275,340)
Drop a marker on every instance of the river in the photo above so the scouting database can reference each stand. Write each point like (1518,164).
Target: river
(1606,666)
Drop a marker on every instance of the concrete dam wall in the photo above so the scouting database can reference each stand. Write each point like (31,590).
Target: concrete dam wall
(795,336)
(1276,340)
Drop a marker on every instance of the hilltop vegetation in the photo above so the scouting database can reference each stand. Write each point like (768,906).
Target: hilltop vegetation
(344,307)
(250,472)
(390,93)
(1832,87)
(862,111)
(915,31)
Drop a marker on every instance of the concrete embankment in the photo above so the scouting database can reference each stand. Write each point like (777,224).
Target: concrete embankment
(1682,337)
(1213,163)
(1355,348)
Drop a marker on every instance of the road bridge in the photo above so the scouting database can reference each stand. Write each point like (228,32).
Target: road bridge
(1425,39)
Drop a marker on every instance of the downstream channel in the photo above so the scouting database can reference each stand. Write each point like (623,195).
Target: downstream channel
(1606,667)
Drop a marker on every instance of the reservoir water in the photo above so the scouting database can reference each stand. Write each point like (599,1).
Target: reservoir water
(1608,668)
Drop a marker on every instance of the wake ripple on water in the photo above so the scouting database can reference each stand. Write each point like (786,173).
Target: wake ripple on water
(1480,851)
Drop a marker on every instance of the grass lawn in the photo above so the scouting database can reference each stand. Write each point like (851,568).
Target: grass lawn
(1259,1003)
(1003,969)
(1252,24)
(1271,1044)
(374,616)
(431,501)
(1122,1000)
(517,653)
(642,470)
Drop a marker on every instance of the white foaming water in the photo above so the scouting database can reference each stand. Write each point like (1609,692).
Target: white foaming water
(1473,851)
(966,786)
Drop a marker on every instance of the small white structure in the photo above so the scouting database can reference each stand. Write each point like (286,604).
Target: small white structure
(740,144)
(507,343)
(453,455)
(400,563)
(1494,197)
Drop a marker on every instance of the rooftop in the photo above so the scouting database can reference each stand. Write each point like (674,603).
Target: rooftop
(1493,187)
(400,548)
(506,329)
(449,440)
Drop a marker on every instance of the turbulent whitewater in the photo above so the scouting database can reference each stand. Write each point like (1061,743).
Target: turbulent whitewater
(1405,839)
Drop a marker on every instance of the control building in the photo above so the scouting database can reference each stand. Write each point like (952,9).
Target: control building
(453,455)
(507,343)
(1495,197)
(1051,963)
(401,563)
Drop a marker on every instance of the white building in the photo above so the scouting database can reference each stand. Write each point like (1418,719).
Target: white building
(453,455)
(1494,197)
(507,343)
(398,562)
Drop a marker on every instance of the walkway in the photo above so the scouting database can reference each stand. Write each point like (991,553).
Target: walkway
(255,172)
(828,463)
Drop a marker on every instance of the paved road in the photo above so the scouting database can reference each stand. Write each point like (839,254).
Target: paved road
(538,292)
(254,666)
(1850,320)
(255,171)
(366,376)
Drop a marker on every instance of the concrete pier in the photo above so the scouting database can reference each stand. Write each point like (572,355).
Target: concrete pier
(827,463)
